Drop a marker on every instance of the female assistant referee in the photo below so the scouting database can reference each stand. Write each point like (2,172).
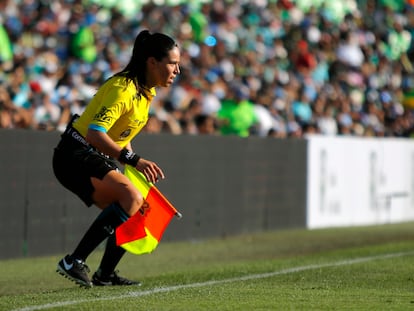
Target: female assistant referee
(84,159)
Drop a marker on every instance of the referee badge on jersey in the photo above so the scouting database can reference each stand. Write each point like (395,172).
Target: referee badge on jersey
(125,133)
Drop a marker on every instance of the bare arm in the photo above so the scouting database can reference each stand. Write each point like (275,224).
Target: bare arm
(106,145)
(103,143)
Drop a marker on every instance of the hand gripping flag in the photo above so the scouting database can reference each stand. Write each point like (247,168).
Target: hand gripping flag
(142,232)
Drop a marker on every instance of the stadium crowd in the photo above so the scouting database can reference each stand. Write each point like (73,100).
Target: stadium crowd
(266,68)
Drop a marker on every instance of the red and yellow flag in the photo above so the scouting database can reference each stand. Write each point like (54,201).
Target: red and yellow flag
(142,232)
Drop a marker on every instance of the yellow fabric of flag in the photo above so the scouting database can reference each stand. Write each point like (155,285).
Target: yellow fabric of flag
(142,232)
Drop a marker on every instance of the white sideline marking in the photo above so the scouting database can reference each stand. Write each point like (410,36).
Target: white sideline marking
(215,282)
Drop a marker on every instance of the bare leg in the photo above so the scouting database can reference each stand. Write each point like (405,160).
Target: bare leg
(116,187)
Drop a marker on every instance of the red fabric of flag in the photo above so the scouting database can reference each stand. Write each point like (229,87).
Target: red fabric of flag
(142,232)
(158,218)
(131,230)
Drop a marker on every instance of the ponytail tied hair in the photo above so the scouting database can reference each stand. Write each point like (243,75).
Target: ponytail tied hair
(139,45)
(155,45)
(142,36)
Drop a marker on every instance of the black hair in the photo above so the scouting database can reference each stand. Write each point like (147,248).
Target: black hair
(146,45)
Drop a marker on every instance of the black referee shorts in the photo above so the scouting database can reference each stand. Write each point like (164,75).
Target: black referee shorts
(75,163)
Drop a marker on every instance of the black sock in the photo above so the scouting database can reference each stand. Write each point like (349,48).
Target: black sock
(111,257)
(103,226)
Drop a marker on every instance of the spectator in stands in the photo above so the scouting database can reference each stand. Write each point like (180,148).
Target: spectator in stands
(360,47)
(205,124)
(236,115)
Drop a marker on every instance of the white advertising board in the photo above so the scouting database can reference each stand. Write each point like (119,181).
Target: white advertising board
(359,181)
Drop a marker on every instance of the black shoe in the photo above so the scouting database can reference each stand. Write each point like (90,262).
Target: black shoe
(113,279)
(74,270)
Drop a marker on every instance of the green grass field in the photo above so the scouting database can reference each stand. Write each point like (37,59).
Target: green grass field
(369,268)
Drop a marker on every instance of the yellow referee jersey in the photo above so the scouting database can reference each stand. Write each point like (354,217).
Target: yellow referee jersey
(116,110)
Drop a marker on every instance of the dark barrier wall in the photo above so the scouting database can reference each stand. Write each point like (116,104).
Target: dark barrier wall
(221,185)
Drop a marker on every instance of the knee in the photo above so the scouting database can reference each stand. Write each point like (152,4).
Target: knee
(138,199)
(132,202)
